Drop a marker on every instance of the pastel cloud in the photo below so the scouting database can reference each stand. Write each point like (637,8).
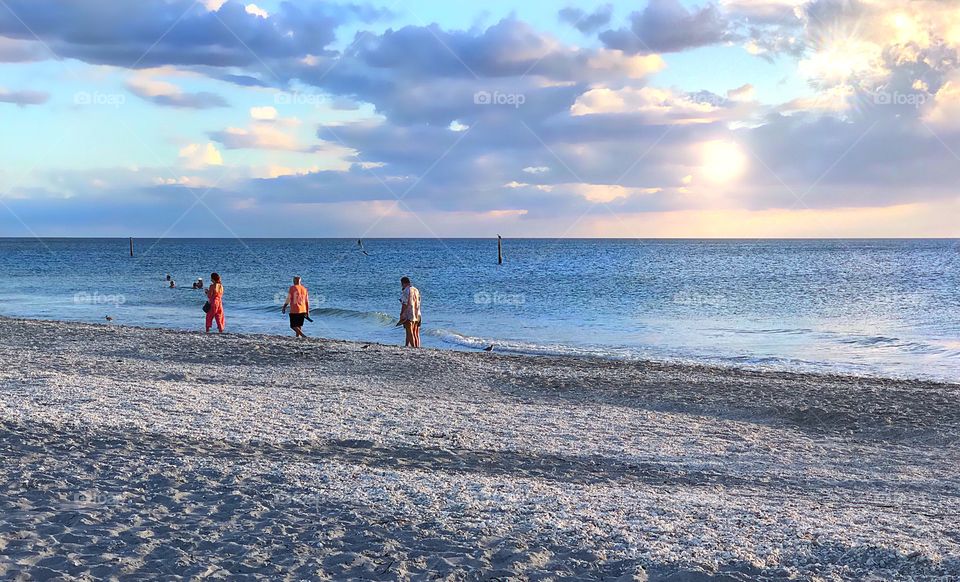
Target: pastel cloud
(197,156)
(259,136)
(263,113)
(23,98)
(657,105)
(170,95)
(668,26)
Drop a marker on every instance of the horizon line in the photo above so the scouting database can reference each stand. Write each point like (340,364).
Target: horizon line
(491,237)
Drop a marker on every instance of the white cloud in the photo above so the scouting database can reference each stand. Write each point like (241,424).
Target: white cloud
(661,105)
(536,169)
(259,136)
(198,156)
(635,67)
(213,5)
(145,85)
(945,111)
(744,93)
(263,113)
(603,193)
(257,11)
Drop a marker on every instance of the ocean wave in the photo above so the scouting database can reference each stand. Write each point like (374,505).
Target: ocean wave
(375,316)
(460,340)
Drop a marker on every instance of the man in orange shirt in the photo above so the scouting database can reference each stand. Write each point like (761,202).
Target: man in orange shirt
(299,301)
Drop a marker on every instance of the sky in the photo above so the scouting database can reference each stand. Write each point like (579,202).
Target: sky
(417,118)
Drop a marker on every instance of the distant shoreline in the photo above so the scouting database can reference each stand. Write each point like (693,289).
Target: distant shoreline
(666,364)
(491,237)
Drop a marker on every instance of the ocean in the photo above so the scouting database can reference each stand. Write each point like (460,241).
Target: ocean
(867,307)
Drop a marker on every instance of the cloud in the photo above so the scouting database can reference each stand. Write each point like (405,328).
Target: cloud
(170,95)
(23,98)
(944,110)
(668,26)
(745,92)
(585,22)
(197,156)
(149,33)
(657,106)
(766,11)
(256,11)
(508,48)
(259,136)
(263,113)
(21,51)
(268,131)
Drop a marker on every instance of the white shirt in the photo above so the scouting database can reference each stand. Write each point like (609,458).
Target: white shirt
(411,304)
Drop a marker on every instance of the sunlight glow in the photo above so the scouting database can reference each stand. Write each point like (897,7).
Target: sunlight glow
(723,161)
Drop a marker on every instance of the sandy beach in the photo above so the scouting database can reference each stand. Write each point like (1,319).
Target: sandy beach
(130,453)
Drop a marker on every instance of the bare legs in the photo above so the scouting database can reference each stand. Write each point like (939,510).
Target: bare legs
(413,334)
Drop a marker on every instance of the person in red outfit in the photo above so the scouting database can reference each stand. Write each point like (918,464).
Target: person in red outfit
(215,297)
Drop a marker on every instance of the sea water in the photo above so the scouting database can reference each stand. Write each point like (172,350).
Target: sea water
(870,307)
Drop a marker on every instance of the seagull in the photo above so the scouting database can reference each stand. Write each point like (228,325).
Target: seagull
(488,348)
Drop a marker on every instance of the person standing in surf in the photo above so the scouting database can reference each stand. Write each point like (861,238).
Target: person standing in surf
(298,299)
(410,312)
(215,302)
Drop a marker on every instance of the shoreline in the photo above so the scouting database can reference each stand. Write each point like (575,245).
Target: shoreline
(663,363)
(142,451)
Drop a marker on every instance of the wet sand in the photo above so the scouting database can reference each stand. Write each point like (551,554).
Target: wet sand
(134,453)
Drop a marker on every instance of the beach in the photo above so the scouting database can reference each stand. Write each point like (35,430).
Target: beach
(133,453)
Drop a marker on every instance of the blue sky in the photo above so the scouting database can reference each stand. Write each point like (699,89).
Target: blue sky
(724,118)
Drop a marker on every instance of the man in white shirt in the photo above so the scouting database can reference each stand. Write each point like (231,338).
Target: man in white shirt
(410,312)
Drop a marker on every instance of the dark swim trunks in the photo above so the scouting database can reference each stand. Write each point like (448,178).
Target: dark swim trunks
(296,319)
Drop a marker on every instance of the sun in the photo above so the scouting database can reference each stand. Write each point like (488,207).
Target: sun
(722,161)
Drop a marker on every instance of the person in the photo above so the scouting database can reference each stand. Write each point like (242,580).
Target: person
(198,284)
(410,312)
(215,297)
(298,299)
(173,284)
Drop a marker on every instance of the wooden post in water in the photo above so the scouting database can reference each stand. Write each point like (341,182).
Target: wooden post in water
(499,250)
(131,246)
